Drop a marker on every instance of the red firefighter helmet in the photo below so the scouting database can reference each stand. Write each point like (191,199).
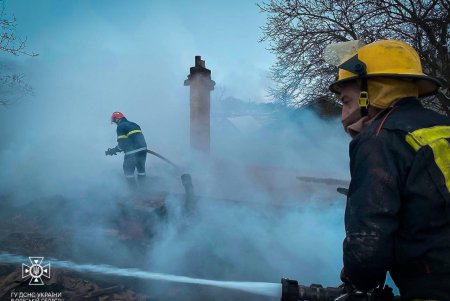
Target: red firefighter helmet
(116,115)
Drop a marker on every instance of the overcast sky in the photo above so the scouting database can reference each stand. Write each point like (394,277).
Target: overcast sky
(161,34)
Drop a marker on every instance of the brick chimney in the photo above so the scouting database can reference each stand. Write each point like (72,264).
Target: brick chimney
(201,85)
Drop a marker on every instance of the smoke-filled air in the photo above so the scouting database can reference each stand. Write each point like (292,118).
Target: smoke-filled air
(263,202)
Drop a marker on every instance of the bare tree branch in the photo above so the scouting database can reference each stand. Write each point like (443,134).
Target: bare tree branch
(299,30)
(12,86)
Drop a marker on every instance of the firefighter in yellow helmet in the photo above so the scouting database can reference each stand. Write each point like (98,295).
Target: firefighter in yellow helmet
(397,217)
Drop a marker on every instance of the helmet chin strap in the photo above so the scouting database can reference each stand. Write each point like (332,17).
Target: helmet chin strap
(364,98)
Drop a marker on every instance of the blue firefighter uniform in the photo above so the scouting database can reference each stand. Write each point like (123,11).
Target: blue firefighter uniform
(132,142)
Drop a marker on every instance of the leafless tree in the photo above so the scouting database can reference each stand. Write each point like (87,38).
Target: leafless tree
(12,85)
(299,30)
(12,88)
(219,93)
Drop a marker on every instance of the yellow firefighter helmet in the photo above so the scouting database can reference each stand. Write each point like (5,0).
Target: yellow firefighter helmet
(386,59)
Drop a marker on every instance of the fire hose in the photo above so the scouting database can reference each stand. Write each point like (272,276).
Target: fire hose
(292,291)
(163,158)
(186,179)
(114,151)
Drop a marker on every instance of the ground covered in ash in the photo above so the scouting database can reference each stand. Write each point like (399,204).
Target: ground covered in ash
(54,230)
(31,230)
(230,234)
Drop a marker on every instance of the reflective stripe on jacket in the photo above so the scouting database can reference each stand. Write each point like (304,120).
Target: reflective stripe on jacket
(130,137)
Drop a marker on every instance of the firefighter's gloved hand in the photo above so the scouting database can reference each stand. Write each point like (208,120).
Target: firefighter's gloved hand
(383,293)
(111,151)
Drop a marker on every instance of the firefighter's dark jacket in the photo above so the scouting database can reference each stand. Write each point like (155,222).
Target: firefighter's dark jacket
(129,137)
(397,217)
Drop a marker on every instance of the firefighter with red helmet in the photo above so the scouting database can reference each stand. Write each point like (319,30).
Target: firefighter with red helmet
(131,141)
(397,217)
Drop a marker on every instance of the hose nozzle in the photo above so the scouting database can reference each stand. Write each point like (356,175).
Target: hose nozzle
(292,291)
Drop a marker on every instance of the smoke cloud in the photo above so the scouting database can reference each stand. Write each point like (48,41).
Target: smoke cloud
(254,220)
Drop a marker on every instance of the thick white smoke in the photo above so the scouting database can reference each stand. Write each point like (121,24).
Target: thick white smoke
(92,64)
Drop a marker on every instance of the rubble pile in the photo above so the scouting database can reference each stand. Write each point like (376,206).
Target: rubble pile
(29,232)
